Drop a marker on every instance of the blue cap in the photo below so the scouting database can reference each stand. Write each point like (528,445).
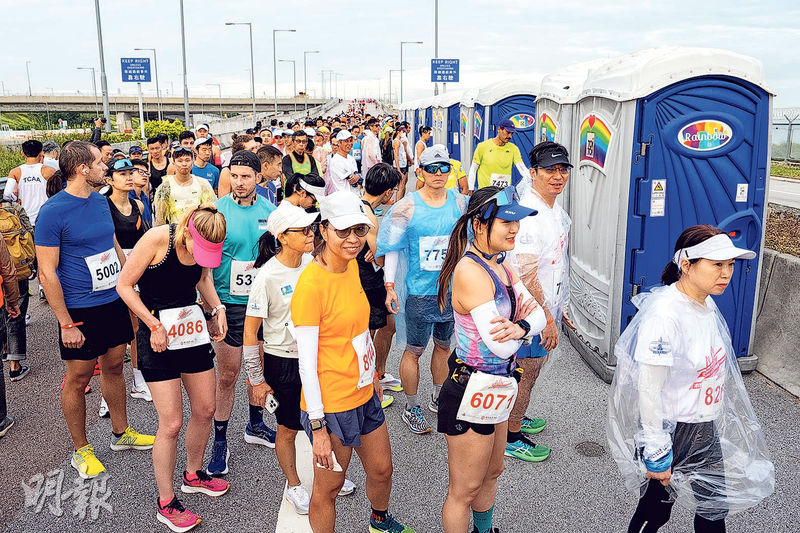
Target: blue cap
(515,211)
(507,125)
(508,206)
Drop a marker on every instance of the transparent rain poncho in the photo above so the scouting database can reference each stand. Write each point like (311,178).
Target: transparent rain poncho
(678,389)
(420,234)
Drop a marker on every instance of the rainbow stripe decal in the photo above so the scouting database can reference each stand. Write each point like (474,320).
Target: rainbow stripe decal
(705,135)
(595,137)
(478,125)
(523,121)
(548,128)
(463,123)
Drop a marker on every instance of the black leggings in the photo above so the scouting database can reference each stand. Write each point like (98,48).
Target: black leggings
(694,447)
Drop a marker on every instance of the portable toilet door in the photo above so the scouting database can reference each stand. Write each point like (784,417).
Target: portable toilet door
(466,127)
(454,131)
(663,148)
(429,122)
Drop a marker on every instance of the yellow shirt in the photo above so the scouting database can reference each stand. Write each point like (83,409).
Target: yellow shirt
(495,160)
(336,303)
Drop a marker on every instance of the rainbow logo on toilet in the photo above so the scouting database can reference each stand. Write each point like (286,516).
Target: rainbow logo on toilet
(478,125)
(523,121)
(595,137)
(547,128)
(705,135)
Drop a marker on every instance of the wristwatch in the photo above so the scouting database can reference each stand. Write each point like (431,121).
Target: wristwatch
(526,339)
(317,424)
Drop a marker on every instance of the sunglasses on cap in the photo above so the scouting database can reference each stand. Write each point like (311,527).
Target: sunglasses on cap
(433,168)
(182,150)
(359,229)
(503,197)
(307,231)
(122,163)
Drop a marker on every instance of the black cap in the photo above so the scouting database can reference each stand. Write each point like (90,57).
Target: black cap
(246,158)
(549,153)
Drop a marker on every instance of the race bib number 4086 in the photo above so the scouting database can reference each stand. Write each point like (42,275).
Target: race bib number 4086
(432,251)
(185,326)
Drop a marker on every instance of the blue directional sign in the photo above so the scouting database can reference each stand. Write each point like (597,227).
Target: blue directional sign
(444,70)
(135,69)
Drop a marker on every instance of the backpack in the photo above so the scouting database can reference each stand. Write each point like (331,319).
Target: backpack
(19,242)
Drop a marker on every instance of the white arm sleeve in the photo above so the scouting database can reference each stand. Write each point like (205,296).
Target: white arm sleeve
(537,318)
(252,365)
(307,349)
(8,192)
(523,171)
(482,316)
(656,440)
(390,262)
(472,177)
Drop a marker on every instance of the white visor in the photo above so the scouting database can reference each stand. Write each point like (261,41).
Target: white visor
(716,248)
(318,192)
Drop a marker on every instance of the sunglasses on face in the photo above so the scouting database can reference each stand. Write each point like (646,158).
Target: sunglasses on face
(433,168)
(360,230)
(307,231)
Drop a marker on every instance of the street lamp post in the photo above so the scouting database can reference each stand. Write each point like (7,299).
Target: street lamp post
(275,68)
(185,86)
(390,82)
(436,43)
(252,65)
(401,66)
(330,83)
(219,88)
(305,79)
(158,90)
(94,88)
(294,76)
(28,73)
(103,79)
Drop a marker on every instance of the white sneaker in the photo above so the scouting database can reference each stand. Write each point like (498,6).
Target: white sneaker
(103,411)
(298,496)
(142,392)
(389,382)
(348,488)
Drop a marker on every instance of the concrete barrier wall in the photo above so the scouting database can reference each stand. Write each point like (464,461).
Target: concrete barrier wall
(777,334)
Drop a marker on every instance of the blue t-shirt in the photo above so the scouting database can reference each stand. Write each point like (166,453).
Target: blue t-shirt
(270,192)
(209,172)
(82,228)
(245,226)
(147,214)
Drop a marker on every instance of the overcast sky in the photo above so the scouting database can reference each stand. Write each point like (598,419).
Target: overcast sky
(360,40)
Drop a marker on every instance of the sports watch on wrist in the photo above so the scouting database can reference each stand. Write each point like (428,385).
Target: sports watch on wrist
(317,424)
(526,339)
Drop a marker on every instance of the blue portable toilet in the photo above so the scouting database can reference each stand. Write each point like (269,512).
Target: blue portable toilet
(668,138)
(514,100)
(446,108)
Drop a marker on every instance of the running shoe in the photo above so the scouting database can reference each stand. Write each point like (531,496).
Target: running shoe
(205,484)
(389,525)
(387,401)
(218,465)
(87,390)
(527,451)
(433,405)
(132,440)
(260,434)
(532,426)
(5,425)
(389,382)
(176,517)
(103,411)
(42,297)
(492,530)
(86,463)
(27,319)
(17,375)
(298,497)
(142,392)
(348,488)
(415,420)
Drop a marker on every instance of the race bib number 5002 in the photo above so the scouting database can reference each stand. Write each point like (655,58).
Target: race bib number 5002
(104,269)
(432,251)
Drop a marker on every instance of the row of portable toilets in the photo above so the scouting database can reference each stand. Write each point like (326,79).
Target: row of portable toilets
(660,140)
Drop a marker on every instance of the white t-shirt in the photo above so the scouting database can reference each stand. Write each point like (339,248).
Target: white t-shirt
(31,190)
(544,239)
(340,168)
(270,299)
(685,337)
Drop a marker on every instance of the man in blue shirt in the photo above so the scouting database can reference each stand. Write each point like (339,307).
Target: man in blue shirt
(202,163)
(79,263)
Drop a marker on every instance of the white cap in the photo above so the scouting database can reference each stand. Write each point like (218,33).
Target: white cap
(288,133)
(310,132)
(276,132)
(343,209)
(716,248)
(318,192)
(289,216)
(343,135)
(434,154)
(202,140)
(203,126)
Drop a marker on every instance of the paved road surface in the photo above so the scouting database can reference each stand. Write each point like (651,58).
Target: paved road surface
(567,493)
(784,191)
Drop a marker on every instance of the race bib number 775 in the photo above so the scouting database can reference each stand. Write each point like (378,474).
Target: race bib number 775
(432,252)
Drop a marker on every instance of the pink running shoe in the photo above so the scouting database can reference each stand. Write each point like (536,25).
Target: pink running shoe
(211,486)
(176,517)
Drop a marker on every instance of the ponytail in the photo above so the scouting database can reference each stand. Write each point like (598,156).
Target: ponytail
(55,184)
(268,247)
(671,274)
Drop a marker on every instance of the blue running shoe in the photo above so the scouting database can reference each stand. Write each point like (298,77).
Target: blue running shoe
(218,465)
(260,434)
(390,525)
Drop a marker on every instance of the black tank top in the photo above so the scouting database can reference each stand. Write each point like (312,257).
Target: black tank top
(370,278)
(128,229)
(169,283)
(156,176)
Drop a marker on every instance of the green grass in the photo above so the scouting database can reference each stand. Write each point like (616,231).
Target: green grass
(785,171)
(9,159)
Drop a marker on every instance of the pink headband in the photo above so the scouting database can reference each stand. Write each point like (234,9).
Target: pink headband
(207,254)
